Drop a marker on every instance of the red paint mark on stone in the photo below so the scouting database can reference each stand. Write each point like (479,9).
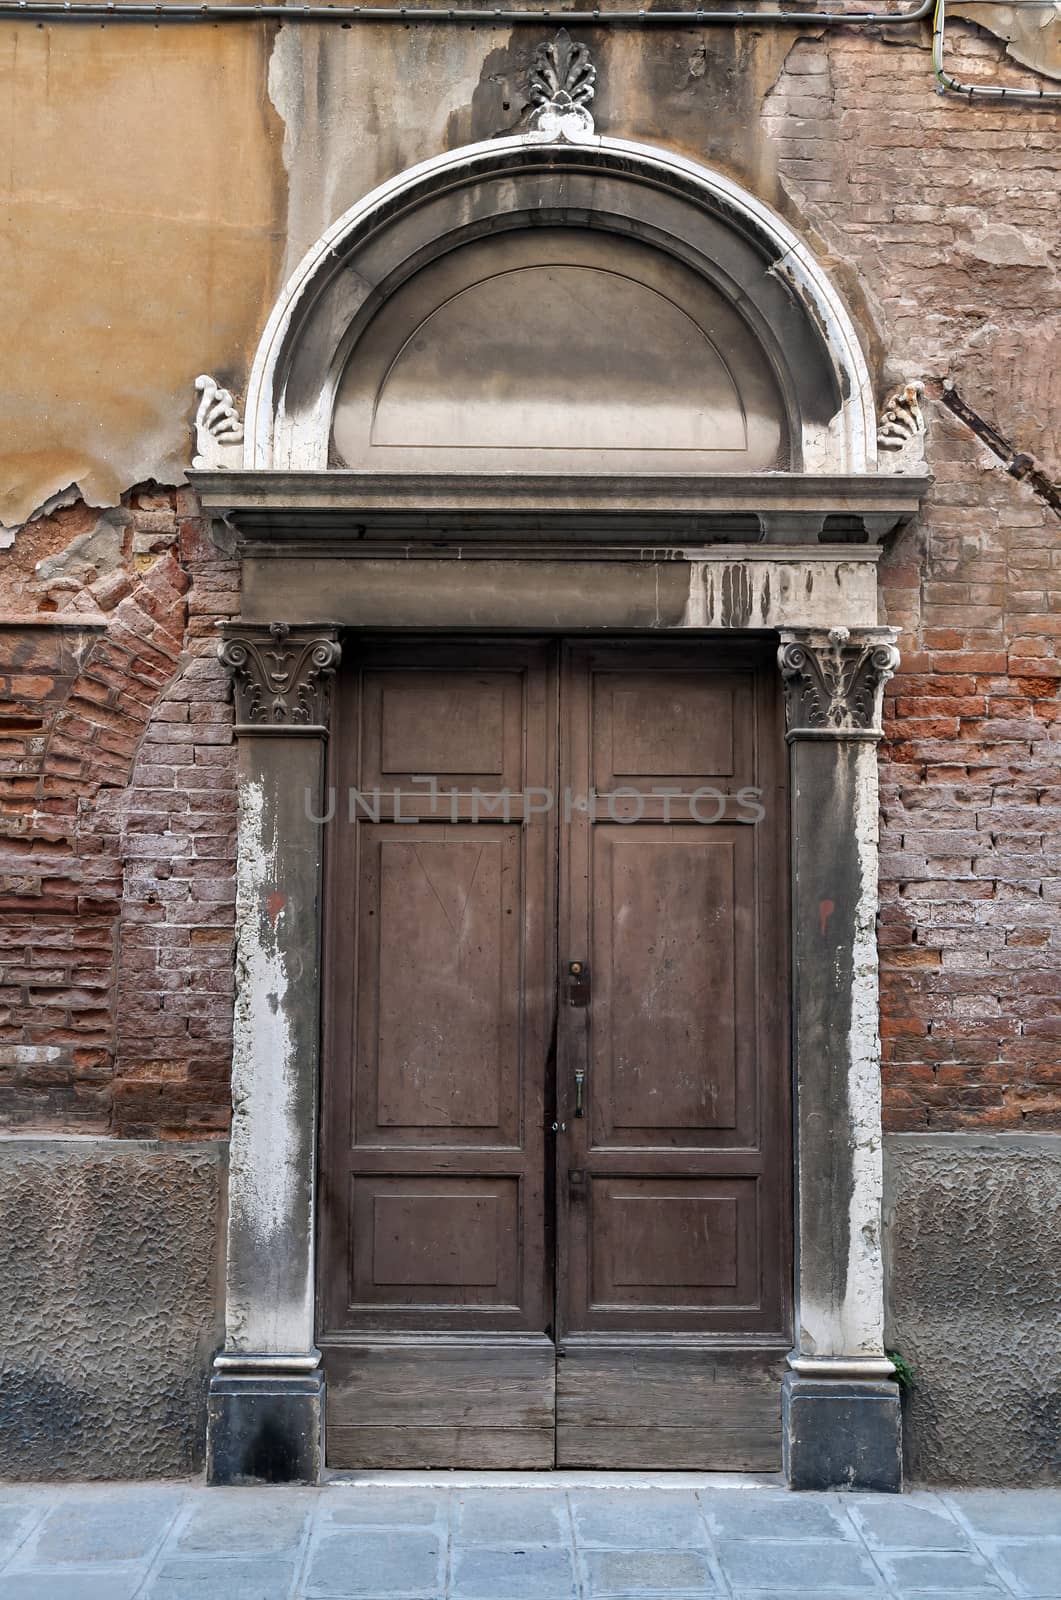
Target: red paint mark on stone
(275,904)
(825,911)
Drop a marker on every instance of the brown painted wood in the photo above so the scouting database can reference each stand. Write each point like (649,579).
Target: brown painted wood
(445,1200)
(441,933)
(673,1194)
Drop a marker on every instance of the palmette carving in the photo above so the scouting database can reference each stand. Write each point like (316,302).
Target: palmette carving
(281,679)
(834,681)
(562,85)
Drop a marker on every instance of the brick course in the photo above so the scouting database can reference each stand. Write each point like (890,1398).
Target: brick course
(908,192)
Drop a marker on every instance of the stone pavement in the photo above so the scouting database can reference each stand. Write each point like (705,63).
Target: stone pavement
(598,1537)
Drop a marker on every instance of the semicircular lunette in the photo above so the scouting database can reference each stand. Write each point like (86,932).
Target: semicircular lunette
(572,346)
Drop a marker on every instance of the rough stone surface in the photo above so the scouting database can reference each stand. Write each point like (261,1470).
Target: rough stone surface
(973,1252)
(404,1541)
(108,1301)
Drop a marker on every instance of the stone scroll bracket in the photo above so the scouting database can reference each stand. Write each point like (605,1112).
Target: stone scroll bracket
(841,1407)
(265,1405)
(218,427)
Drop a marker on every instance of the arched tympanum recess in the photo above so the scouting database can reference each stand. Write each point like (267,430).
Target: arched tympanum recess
(552,307)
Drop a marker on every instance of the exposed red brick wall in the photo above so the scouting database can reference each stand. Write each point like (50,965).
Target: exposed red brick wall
(117,818)
(940,218)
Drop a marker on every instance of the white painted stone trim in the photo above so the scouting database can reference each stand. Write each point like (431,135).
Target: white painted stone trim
(850,446)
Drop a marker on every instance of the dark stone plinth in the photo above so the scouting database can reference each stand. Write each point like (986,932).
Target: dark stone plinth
(841,1434)
(268,1428)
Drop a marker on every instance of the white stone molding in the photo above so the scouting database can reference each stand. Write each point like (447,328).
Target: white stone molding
(290,395)
(218,430)
(901,434)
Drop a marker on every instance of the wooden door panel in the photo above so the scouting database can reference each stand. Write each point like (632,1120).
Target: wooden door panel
(673,1188)
(673,962)
(434,1242)
(462,726)
(448,1405)
(671,1228)
(669,1407)
(439,979)
(661,1245)
(433,1222)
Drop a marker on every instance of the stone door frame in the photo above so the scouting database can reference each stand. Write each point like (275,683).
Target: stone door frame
(511,553)
(841,1414)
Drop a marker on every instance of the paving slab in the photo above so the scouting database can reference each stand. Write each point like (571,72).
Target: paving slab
(901,1522)
(71,1585)
(380,1565)
(797,1564)
(1010,1513)
(239,1578)
(630,1574)
(1035,1566)
(492,1516)
(233,1522)
(513,1572)
(624,1520)
(744,1514)
(385,1508)
(939,1570)
(101,1528)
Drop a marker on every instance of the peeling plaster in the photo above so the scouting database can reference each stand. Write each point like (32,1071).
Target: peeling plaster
(265,1186)
(144,186)
(862,1323)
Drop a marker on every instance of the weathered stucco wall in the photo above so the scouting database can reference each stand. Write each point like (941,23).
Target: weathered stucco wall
(142,192)
(973,1257)
(108,1302)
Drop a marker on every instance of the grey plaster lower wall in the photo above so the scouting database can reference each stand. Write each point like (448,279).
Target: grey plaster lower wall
(108,1305)
(973,1253)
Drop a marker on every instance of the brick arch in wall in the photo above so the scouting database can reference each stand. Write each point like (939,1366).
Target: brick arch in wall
(173,987)
(124,687)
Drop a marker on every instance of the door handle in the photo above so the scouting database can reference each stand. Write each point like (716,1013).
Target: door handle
(580,1085)
(578,988)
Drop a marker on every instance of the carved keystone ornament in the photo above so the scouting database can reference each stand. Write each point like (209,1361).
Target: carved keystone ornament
(834,681)
(281,680)
(562,83)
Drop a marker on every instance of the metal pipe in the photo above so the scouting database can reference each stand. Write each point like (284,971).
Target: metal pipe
(980,91)
(138,11)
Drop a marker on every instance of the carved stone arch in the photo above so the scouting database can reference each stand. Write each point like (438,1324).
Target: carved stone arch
(750,264)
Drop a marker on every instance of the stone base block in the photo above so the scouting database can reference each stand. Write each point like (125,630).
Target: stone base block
(841,1434)
(267,1428)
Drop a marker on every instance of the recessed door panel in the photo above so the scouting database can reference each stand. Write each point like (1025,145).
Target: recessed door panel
(439,980)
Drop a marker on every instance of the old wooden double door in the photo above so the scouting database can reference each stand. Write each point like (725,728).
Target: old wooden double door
(554,1219)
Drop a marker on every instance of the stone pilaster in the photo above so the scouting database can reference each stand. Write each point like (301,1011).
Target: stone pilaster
(841,1425)
(265,1407)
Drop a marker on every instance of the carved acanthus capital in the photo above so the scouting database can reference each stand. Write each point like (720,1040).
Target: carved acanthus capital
(562,81)
(901,432)
(281,677)
(834,680)
(218,429)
